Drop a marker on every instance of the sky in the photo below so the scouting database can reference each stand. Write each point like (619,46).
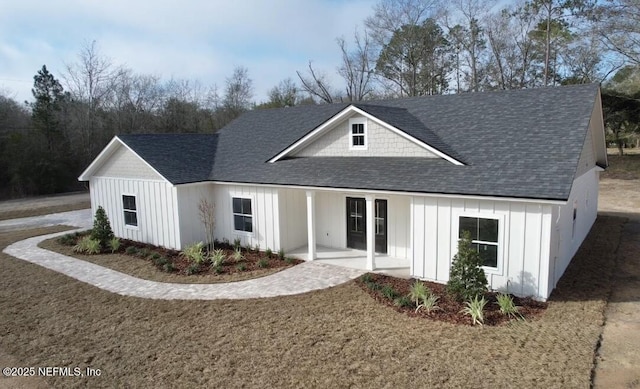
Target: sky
(188,39)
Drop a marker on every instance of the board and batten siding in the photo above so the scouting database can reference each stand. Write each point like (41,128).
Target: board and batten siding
(156,209)
(293,218)
(265,208)
(381,142)
(189,196)
(523,241)
(566,240)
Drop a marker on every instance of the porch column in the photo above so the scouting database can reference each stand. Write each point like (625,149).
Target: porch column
(311,224)
(371,233)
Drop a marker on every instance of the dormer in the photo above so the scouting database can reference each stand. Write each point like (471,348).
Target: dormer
(370,131)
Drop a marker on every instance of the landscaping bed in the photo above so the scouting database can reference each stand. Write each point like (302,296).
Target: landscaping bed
(165,265)
(395,292)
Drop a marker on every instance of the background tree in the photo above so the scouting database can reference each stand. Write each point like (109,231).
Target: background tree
(238,93)
(356,69)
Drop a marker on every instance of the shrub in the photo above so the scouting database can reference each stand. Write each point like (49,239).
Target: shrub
(507,307)
(169,267)
(389,292)
(367,277)
(237,244)
(268,252)
(289,260)
(241,267)
(373,285)
(67,240)
(114,244)
(144,252)
(263,263)
(101,228)
(466,278)
(475,309)
(256,248)
(218,269)
(281,254)
(217,257)
(155,255)
(237,255)
(195,253)
(418,292)
(131,250)
(402,302)
(160,261)
(87,245)
(429,302)
(194,268)
(248,248)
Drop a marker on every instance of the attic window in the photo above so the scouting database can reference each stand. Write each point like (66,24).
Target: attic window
(358,134)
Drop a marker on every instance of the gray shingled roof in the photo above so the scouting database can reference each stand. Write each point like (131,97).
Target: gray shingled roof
(520,143)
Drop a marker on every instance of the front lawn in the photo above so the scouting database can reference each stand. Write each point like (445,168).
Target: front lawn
(338,337)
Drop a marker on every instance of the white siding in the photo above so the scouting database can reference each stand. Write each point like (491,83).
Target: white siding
(265,208)
(524,231)
(565,243)
(588,156)
(189,197)
(293,218)
(381,142)
(156,209)
(123,163)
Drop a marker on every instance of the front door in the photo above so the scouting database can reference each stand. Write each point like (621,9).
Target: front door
(357,224)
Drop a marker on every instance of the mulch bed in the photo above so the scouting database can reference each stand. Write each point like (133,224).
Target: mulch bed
(172,261)
(449,307)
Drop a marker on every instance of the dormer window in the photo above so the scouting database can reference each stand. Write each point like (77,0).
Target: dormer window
(358,134)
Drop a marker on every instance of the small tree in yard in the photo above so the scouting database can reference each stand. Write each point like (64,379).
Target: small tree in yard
(207,217)
(101,228)
(467,279)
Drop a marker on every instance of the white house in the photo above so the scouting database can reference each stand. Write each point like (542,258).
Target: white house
(388,180)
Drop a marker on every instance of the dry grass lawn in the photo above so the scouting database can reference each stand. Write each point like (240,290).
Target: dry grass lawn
(339,337)
(20,212)
(144,269)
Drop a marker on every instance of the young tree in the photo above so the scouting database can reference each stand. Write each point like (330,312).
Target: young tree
(206,211)
(102,231)
(466,277)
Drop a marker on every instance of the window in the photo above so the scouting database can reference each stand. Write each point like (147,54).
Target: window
(379,219)
(356,216)
(484,237)
(130,210)
(242,215)
(357,134)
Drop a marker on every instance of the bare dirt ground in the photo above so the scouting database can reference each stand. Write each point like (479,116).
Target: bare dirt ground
(36,206)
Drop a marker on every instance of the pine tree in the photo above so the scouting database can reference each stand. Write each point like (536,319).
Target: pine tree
(466,278)
(102,228)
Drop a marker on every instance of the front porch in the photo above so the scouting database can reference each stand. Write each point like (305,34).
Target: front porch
(355,259)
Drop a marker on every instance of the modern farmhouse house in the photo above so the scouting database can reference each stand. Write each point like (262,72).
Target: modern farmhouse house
(392,182)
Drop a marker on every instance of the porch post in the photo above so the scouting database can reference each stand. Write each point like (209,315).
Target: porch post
(311,224)
(371,233)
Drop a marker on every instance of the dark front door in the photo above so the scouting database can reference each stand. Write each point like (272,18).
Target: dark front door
(357,224)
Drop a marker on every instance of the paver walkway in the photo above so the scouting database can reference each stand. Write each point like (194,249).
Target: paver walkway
(302,278)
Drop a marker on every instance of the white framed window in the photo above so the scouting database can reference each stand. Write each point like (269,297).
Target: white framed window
(130,210)
(242,214)
(358,134)
(485,237)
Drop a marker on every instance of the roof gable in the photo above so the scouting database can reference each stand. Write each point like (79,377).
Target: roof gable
(417,133)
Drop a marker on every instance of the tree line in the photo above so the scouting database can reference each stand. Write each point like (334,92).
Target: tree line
(406,48)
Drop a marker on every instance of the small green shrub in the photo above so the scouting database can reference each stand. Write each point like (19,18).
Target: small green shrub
(289,260)
(237,244)
(256,248)
(263,263)
(131,250)
(217,257)
(281,254)
(114,244)
(194,268)
(466,278)
(507,306)
(367,277)
(241,267)
(418,292)
(169,267)
(268,252)
(248,248)
(155,255)
(373,285)
(475,309)
(160,261)
(101,231)
(389,292)
(87,245)
(195,253)
(218,269)
(429,302)
(403,301)
(67,240)
(237,255)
